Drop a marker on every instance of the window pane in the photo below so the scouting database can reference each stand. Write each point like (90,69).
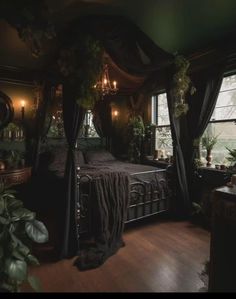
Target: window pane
(162,109)
(226,132)
(164,140)
(88,129)
(228,82)
(154,110)
(226,103)
(225,106)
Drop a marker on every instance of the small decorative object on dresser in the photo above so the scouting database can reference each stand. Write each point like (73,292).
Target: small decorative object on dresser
(222,274)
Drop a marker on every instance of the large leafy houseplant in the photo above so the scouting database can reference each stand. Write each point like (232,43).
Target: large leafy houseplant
(136,132)
(18,228)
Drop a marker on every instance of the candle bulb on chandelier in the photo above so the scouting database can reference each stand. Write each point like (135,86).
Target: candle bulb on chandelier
(114,83)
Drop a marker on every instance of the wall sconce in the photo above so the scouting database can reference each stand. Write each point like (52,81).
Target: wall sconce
(115,114)
(22,109)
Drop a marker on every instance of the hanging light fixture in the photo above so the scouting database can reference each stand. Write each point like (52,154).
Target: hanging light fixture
(104,85)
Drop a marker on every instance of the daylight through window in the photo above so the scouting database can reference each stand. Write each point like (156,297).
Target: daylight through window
(160,118)
(223,122)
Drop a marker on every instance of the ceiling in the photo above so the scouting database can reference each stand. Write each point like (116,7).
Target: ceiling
(182,26)
(174,25)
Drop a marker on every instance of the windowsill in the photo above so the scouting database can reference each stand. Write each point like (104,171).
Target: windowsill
(212,168)
(160,163)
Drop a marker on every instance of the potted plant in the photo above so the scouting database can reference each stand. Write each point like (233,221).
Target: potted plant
(208,142)
(232,157)
(136,132)
(18,228)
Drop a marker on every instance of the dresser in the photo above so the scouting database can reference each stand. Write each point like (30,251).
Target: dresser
(222,274)
(11,177)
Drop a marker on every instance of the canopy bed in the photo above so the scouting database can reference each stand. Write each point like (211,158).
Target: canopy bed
(149,187)
(76,68)
(111,194)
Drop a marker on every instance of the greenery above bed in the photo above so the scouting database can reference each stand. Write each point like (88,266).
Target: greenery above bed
(81,65)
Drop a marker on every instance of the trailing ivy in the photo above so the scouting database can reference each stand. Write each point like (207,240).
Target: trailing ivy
(181,85)
(31,20)
(81,65)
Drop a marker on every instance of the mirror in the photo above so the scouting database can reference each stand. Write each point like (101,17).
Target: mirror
(6,110)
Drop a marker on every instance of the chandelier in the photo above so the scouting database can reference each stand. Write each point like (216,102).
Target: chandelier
(104,85)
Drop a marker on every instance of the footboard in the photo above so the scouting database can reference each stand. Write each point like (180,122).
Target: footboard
(149,195)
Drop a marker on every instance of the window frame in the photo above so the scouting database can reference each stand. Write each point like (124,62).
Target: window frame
(227,119)
(156,116)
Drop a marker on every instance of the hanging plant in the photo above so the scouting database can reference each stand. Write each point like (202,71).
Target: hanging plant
(31,20)
(181,85)
(81,65)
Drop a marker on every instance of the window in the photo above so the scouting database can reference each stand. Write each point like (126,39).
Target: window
(88,129)
(160,118)
(223,122)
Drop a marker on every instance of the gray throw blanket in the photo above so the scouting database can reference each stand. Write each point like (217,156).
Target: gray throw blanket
(110,202)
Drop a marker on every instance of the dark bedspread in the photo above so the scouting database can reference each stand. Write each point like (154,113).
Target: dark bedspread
(110,191)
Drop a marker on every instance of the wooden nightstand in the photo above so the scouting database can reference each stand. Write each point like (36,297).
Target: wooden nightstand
(10,177)
(222,276)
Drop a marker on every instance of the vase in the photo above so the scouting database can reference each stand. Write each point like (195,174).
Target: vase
(209,158)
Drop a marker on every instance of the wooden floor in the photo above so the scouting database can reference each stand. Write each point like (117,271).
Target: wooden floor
(159,256)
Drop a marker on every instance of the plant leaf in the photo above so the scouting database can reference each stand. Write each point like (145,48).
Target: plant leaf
(4,220)
(18,255)
(32,260)
(1,206)
(7,286)
(13,204)
(22,214)
(16,269)
(34,283)
(36,231)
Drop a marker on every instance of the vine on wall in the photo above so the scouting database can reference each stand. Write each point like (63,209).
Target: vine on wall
(31,20)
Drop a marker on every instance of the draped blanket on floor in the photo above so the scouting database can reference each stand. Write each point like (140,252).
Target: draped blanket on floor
(109,208)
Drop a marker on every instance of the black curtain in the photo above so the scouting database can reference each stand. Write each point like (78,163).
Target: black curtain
(36,134)
(201,106)
(180,201)
(102,119)
(73,116)
(187,130)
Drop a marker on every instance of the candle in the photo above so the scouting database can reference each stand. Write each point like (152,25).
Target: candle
(114,83)
(22,109)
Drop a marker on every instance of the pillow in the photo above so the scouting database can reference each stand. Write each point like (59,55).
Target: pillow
(93,157)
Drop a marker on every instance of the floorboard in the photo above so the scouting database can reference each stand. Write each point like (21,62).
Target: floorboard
(159,256)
